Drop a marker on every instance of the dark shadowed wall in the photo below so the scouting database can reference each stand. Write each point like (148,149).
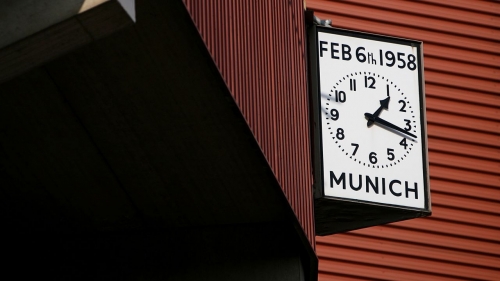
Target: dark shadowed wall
(259,48)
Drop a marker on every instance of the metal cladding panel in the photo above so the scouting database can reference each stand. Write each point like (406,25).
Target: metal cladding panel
(461,240)
(259,48)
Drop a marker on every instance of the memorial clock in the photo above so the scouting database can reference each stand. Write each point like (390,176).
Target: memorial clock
(370,124)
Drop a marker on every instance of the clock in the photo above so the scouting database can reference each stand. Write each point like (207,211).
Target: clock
(370,119)
(370,126)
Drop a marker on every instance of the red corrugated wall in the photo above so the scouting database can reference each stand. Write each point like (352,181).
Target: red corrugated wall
(461,240)
(259,48)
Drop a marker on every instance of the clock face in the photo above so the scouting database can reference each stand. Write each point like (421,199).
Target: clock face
(355,135)
(371,119)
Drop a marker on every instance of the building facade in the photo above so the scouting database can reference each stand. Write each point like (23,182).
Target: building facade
(171,140)
(460,241)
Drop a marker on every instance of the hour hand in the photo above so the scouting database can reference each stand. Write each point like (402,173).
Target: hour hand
(381,121)
(384,104)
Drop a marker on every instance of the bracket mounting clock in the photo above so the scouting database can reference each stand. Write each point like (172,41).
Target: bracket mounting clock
(371,160)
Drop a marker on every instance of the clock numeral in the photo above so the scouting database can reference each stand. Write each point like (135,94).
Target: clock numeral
(401,60)
(408,125)
(373,157)
(390,154)
(403,106)
(403,143)
(335,114)
(353,84)
(390,57)
(356,146)
(340,134)
(370,85)
(411,62)
(340,96)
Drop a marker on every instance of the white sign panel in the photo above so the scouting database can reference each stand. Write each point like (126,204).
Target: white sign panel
(372,115)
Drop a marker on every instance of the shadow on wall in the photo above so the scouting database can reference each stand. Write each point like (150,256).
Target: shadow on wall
(22,18)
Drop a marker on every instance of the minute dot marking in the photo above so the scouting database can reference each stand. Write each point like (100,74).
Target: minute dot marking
(399,90)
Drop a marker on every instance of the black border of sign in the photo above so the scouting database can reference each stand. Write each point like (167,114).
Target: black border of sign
(316,105)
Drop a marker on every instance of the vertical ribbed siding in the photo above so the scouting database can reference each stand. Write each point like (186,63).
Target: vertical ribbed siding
(461,241)
(259,49)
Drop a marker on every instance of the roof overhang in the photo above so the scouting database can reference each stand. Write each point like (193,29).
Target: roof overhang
(134,132)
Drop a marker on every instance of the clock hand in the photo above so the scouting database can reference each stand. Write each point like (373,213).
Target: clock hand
(384,104)
(387,124)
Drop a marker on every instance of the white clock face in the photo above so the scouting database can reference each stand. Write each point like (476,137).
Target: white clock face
(360,139)
(371,120)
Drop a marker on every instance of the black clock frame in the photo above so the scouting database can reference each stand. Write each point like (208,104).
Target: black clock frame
(334,214)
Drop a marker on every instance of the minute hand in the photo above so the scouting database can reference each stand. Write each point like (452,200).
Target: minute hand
(388,124)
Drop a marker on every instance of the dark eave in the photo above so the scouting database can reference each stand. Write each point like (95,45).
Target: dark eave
(133,132)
